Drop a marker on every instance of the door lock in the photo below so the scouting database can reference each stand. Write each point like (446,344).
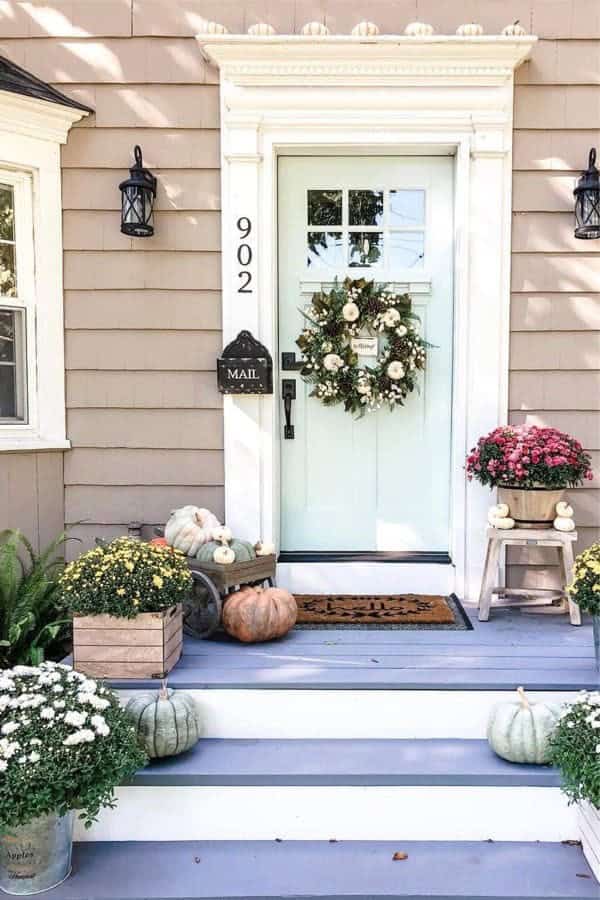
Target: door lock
(288,393)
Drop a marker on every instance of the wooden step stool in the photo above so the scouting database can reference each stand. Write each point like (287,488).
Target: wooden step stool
(541,599)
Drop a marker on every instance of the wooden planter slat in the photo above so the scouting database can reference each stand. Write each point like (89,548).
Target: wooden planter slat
(226,577)
(145,647)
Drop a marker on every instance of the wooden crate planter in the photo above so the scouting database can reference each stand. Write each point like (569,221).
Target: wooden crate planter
(145,647)
(589,829)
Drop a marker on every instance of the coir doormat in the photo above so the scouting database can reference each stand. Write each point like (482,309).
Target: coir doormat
(414,611)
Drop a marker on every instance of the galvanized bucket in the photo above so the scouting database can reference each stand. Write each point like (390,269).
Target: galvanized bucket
(37,856)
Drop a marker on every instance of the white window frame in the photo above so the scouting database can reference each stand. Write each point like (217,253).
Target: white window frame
(31,132)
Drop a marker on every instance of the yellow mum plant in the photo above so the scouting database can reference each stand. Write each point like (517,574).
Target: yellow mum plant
(124,578)
(585,589)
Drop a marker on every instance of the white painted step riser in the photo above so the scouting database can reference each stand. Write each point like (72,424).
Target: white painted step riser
(431,813)
(352,714)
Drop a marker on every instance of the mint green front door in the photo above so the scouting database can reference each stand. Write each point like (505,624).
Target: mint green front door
(380,483)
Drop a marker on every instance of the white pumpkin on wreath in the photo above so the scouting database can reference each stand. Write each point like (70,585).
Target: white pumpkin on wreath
(352,310)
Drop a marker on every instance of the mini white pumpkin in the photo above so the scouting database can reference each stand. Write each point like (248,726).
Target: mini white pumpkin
(514,30)
(261,29)
(469,29)
(365,29)
(562,523)
(395,370)
(222,533)
(224,555)
(504,524)
(350,312)
(212,28)
(519,731)
(500,510)
(563,509)
(418,29)
(314,28)
(264,548)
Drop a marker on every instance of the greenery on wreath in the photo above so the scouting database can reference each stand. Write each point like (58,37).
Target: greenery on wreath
(354,310)
(33,627)
(585,589)
(65,743)
(575,748)
(124,578)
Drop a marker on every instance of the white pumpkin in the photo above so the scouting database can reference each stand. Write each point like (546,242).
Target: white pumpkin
(224,555)
(519,731)
(212,28)
(562,523)
(563,509)
(264,548)
(189,527)
(504,524)
(418,29)
(499,511)
(222,533)
(261,29)
(514,30)
(314,28)
(469,29)
(365,29)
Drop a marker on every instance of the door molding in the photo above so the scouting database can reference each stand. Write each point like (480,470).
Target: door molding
(284,95)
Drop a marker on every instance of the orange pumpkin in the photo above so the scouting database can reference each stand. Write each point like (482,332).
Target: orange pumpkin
(259,614)
(160,542)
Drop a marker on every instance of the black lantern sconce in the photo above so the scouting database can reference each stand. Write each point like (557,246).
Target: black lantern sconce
(587,202)
(137,199)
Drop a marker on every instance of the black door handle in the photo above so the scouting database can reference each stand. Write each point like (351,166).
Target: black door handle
(288,393)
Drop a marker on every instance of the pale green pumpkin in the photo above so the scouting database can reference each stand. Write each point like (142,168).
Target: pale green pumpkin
(243,550)
(167,722)
(520,731)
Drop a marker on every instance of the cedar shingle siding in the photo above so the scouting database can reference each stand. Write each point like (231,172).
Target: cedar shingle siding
(143,317)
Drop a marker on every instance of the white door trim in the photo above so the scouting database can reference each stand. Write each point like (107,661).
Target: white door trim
(288,95)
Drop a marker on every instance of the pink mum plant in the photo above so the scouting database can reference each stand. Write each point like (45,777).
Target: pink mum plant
(525,456)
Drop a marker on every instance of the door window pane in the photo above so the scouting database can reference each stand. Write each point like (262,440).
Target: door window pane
(324,208)
(7,213)
(8,394)
(365,248)
(407,207)
(325,249)
(8,281)
(406,249)
(365,207)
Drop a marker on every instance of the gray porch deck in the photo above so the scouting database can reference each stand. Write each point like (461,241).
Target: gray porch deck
(540,652)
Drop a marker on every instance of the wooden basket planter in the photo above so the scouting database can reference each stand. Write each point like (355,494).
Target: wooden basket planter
(145,647)
(589,830)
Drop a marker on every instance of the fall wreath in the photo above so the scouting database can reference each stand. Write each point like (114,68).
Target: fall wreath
(355,322)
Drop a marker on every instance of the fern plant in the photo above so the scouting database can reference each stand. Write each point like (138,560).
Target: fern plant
(33,627)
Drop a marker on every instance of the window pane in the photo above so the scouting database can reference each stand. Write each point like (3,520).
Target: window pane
(406,249)
(365,207)
(365,248)
(325,249)
(324,207)
(7,213)
(8,282)
(7,336)
(8,394)
(407,208)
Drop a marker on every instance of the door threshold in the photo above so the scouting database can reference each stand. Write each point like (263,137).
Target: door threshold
(372,556)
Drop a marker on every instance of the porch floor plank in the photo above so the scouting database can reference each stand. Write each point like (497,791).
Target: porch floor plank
(327,870)
(541,652)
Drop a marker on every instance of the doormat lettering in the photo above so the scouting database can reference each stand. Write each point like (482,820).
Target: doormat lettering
(413,611)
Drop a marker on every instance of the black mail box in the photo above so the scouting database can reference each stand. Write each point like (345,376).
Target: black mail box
(245,367)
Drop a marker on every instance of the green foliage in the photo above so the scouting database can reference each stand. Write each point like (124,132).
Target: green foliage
(124,578)
(575,749)
(66,744)
(585,590)
(32,625)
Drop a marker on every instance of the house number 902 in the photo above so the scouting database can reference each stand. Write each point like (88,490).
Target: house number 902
(244,255)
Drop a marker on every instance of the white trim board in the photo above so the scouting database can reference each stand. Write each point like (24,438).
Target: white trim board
(387,94)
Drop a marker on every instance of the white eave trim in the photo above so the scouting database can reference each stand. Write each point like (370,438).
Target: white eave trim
(35,118)
(295,58)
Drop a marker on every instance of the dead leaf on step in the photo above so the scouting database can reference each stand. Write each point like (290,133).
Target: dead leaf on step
(399,856)
(333,840)
(571,843)
(197,860)
(582,875)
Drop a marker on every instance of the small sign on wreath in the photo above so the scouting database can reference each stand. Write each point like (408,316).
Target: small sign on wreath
(355,319)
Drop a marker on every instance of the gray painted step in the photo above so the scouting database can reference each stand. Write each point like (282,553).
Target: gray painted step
(343,762)
(307,869)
